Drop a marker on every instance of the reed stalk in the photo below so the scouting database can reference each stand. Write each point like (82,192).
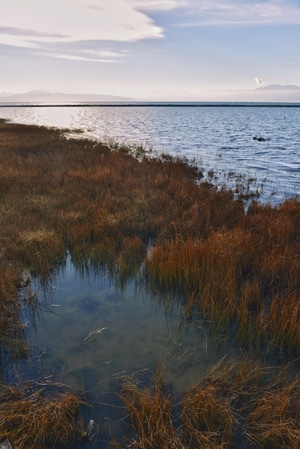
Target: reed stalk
(207,418)
(151,416)
(274,420)
(35,421)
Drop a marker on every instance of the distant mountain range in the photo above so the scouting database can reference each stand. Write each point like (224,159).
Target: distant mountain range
(270,93)
(280,87)
(43,96)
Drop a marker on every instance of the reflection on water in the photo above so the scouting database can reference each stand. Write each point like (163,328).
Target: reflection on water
(92,333)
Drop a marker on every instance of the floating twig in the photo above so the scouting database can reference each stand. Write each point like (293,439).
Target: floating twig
(91,335)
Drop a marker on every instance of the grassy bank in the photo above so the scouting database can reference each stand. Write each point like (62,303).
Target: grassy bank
(106,208)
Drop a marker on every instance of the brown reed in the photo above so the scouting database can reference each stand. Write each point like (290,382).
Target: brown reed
(11,341)
(275,418)
(259,403)
(151,416)
(35,421)
(238,275)
(207,418)
(266,399)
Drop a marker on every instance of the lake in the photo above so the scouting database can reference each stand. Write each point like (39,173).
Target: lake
(88,331)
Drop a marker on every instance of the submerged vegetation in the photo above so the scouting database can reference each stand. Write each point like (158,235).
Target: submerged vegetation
(158,219)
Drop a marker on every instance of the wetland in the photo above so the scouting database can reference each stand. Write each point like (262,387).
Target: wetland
(136,293)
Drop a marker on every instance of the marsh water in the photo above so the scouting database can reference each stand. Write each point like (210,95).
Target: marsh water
(88,331)
(93,330)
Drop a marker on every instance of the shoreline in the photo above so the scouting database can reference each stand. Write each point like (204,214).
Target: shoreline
(156,104)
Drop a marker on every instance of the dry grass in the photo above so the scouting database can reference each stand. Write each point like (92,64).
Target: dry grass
(247,276)
(151,416)
(39,250)
(207,418)
(237,397)
(275,418)
(265,399)
(35,421)
(11,341)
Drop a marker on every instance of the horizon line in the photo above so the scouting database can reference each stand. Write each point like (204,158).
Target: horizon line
(154,103)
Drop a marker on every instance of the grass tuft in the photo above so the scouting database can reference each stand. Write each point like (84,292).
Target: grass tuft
(35,421)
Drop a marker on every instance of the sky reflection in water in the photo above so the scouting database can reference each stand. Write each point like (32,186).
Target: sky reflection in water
(92,332)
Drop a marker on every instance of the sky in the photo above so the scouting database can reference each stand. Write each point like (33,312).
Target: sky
(149,49)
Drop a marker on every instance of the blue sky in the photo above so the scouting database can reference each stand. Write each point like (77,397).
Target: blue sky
(152,49)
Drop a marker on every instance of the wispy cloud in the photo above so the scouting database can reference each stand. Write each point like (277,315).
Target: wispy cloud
(33,23)
(242,12)
(159,5)
(104,56)
(13,31)
(28,38)
(81,57)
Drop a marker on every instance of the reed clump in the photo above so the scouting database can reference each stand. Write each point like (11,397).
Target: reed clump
(11,327)
(151,416)
(246,276)
(39,250)
(37,421)
(238,403)
(265,401)
(274,420)
(207,418)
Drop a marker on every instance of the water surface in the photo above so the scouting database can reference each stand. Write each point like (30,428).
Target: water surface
(91,331)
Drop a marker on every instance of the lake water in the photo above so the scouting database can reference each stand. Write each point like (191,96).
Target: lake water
(89,333)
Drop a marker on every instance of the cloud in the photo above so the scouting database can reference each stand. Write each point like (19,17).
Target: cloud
(81,57)
(159,5)
(31,33)
(39,22)
(242,12)
(104,56)
(259,81)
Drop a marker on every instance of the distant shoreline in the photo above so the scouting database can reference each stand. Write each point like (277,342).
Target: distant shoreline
(153,104)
